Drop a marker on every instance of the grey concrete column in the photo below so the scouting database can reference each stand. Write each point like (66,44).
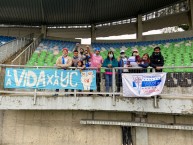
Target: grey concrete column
(93,36)
(139,28)
(44,30)
(141,136)
(1,125)
(191,15)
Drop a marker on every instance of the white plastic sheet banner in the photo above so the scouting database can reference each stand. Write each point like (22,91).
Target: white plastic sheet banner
(143,84)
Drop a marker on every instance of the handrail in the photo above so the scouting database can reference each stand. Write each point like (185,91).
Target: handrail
(33,44)
(24,66)
(9,48)
(167,93)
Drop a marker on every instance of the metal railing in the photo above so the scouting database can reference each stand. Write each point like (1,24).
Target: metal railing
(179,82)
(8,49)
(25,55)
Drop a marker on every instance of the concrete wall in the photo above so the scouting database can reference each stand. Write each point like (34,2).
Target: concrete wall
(63,128)
(19,32)
(69,33)
(166,21)
(58,128)
(170,137)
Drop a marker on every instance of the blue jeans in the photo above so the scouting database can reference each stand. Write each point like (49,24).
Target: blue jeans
(108,81)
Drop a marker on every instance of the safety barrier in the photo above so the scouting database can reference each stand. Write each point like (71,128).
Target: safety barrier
(8,49)
(25,55)
(177,83)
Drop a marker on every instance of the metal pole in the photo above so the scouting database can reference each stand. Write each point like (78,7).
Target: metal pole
(155,97)
(113,87)
(155,102)
(35,96)
(75,97)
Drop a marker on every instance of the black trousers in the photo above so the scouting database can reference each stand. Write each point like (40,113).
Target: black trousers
(119,81)
(98,81)
(57,90)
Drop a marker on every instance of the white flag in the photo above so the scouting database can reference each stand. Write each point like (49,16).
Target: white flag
(143,84)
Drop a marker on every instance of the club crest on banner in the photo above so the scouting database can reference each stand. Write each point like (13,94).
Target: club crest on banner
(137,82)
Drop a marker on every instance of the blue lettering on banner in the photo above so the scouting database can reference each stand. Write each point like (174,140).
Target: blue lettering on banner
(50,79)
(151,83)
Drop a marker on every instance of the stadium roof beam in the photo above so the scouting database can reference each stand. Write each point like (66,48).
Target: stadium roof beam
(93,35)
(139,28)
(191,15)
(74,12)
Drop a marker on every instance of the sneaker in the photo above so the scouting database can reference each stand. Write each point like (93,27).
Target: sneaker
(100,95)
(55,95)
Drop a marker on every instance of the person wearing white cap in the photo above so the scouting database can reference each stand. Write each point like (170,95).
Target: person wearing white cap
(122,62)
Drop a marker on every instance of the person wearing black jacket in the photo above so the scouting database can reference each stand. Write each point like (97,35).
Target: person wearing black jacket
(157,59)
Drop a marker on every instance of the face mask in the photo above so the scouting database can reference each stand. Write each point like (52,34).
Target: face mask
(110,55)
(135,54)
(122,55)
(157,53)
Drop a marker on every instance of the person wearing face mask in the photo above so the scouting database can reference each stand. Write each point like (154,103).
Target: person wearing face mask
(133,61)
(63,62)
(157,59)
(96,62)
(109,62)
(122,62)
(144,62)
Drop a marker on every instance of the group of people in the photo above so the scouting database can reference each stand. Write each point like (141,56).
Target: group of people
(85,58)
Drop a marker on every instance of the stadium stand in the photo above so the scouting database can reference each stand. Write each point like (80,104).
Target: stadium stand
(5,39)
(48,51)
(177,52)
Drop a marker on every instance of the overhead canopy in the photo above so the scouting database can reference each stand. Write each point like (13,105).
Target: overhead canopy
(74,12)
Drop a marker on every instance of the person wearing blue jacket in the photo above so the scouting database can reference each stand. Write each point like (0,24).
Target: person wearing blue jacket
(109,62)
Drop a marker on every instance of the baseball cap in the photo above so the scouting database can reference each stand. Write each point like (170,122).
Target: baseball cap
(135,50)
(97,49)
(65,49)
(122,51)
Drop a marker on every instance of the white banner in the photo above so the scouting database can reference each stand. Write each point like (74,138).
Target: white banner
(143,84)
